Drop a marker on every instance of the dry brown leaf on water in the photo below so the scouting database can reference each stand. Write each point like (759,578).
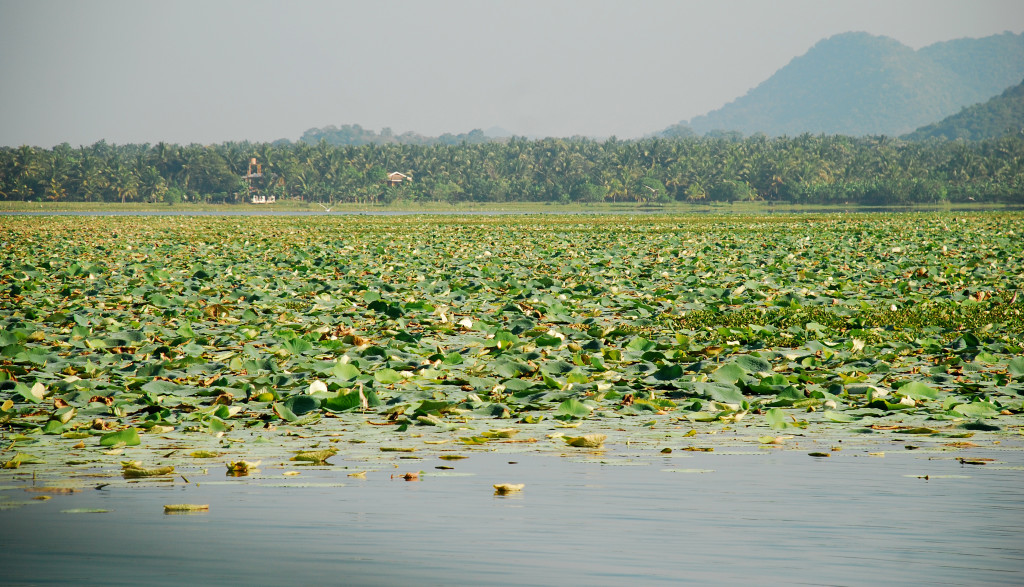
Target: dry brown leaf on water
(975,461)
(99,424)
(133,470)
(962,444)
(61,490)
(242,467)
(506,488)
(500,433)
(186,508)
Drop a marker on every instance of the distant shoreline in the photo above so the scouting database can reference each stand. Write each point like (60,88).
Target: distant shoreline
(291,208)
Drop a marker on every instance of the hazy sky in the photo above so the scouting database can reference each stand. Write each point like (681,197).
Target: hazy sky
(211,71)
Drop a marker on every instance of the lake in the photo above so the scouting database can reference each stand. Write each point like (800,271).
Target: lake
(744,517)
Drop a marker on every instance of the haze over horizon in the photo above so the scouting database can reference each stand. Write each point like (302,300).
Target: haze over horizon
(190,71)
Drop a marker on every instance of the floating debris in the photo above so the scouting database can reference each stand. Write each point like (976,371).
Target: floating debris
(507,488)
(186,508)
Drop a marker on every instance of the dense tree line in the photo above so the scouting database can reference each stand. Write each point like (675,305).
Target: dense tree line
(822,169)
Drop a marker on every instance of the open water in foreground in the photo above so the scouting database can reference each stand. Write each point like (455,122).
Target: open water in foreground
(759,517)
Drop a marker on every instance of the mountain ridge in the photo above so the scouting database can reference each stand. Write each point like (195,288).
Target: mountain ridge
(861,84)
(996,117)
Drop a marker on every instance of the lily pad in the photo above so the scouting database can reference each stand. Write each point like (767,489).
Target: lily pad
(586,441)
(126,437)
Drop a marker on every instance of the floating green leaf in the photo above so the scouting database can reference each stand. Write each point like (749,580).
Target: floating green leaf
(315,456)
(918,390)
(387,376)
(126,437)
(977,410)
(777,419)
(573,408)
(284,413)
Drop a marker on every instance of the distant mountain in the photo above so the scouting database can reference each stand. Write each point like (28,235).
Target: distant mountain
(861,84)
(997,117)
(353,134)
(985,66)
(496,132)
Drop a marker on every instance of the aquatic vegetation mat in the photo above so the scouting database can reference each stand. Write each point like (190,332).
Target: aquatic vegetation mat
(154,348)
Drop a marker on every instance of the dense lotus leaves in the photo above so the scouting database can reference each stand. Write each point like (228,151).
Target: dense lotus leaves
(1016,368)
(216,327)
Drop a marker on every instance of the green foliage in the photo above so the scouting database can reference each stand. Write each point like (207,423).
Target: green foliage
(433,328)
(173,196)
(732,191)
(805,170)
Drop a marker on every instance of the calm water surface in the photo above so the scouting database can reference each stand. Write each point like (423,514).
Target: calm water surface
(758,518)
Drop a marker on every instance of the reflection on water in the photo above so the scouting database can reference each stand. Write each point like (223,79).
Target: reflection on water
(761,518)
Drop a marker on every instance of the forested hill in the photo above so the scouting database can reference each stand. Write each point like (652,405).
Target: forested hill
(354,134)
(859,84)
(997,117)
